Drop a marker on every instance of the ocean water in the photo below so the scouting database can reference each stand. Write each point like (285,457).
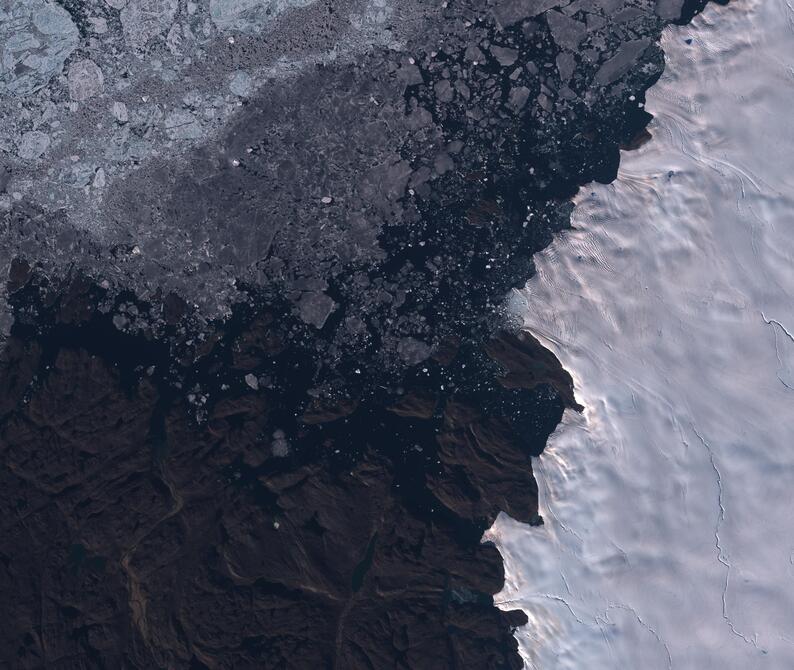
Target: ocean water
(669,504)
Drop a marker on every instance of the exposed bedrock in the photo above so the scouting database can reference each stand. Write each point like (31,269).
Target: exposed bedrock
(146,527)
(260,399)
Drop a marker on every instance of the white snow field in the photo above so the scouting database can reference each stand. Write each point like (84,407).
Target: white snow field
(669,505)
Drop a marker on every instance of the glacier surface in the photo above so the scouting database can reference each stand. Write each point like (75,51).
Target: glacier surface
(669,538)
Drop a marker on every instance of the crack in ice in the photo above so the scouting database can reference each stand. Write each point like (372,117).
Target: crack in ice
(647,627)
(773,323)
(541,473)
(562,600)
(721,555)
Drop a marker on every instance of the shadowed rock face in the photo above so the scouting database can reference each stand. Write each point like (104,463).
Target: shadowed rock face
(304,482)
(347,536)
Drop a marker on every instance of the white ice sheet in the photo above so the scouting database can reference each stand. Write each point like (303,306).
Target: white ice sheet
(669,536)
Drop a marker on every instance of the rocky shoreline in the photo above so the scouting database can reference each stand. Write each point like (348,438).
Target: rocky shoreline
(302,478)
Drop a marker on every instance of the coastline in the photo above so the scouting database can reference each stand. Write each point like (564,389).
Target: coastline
(664,542)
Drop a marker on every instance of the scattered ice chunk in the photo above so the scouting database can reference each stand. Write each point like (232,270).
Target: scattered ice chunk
(174,39)
(120,113)
(193,99)
(33,144)
(241,84)
(314,307)
(508,12)
(98,25)
(49,112)
(443,90)
(443,163)
(566,32)
(413,351)
(518,98)
(621,62)
(474,54)
(81,174)
(99,178)
(669,10)
(36,37)
(565,65)
(250,16)
(410,74)
(85,80)
(252,381)
(280,446)
(142,20)
(182,125)
(504,55)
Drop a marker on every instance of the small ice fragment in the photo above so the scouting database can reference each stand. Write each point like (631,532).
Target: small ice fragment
(33,144)
(99,178)
(241,84)
(120,112)
(85,80)
(98,25)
